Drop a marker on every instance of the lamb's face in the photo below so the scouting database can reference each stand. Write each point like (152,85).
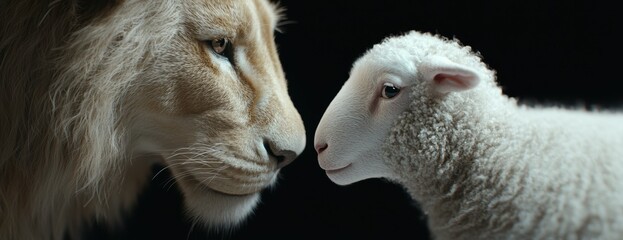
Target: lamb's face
(352,130)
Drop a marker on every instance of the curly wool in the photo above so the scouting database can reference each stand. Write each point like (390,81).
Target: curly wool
(483,167)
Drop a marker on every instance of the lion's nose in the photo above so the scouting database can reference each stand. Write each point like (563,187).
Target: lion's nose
(282,156)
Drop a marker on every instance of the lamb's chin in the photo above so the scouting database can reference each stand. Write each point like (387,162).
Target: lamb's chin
(358,171)
(216,209)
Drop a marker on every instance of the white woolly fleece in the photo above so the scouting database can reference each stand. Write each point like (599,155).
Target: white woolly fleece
(480,165)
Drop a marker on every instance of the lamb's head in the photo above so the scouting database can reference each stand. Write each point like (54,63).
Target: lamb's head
(390,80)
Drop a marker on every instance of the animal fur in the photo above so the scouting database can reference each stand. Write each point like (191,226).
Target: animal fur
(93,93)
(480,165)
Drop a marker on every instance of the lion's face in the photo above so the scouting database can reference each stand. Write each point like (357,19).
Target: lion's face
(214,105)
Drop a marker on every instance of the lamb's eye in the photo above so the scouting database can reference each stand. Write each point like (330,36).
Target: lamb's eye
(389,90)
(221,46)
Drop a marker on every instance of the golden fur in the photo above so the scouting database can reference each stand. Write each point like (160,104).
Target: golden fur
(93,93)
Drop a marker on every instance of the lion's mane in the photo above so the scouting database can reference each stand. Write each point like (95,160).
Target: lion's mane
(64,68)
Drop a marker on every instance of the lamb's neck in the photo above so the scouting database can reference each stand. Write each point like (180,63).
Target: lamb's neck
(446,168)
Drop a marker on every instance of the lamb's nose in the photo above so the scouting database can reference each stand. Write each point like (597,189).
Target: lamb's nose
(282,156)
(320,147)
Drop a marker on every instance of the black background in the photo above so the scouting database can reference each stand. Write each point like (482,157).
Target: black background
(546,51)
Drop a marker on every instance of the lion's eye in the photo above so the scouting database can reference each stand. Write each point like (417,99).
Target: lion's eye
(389,91)
(221,46)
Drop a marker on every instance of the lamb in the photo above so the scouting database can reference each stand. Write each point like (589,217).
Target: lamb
(424,111)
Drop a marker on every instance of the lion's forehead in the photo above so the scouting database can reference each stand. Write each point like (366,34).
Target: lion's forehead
(229,17)
(254,84)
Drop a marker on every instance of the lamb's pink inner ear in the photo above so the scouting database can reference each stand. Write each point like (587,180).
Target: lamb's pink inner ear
(454,82)
(448,76)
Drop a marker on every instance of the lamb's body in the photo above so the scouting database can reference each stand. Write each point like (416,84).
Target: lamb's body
(480,165)
(520,174)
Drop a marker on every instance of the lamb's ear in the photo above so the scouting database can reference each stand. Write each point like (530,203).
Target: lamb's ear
(447,76)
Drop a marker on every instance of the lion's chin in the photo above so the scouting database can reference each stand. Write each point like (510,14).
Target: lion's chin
(216,209)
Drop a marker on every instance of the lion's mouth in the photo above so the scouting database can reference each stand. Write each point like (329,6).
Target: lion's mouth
(231,180)
(207,188)
(233,187)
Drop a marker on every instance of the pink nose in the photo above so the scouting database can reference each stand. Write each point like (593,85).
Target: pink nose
(320,147)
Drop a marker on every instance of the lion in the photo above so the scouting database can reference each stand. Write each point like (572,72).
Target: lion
(94,93)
